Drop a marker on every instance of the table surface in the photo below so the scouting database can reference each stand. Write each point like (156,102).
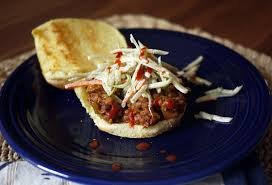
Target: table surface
(245,22)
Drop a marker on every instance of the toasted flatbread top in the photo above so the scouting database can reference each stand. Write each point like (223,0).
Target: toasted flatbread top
(66,47)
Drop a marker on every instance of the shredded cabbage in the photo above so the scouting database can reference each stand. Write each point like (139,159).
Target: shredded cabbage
(212,117)
(138,70)
(189,72)
(218,93)
(131,63)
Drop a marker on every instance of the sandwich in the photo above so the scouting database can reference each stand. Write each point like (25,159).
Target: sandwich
(128,92)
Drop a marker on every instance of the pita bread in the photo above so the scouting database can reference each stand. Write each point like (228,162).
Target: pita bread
(67,47)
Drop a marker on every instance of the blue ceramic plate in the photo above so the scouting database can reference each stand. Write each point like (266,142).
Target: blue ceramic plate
(49,128)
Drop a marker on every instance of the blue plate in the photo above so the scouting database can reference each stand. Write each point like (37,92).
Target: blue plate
(49,128)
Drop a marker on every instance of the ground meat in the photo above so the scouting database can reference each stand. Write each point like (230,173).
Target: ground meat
(168,104)
(141,113)
(103,104)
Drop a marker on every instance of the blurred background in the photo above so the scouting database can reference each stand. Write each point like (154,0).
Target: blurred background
(245,22)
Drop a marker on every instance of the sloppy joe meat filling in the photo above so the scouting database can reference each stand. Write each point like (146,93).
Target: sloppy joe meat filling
(167,104)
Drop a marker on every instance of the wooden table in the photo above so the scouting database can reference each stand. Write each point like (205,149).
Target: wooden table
(246,22)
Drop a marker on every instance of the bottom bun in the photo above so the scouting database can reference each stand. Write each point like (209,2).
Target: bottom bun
(124,129)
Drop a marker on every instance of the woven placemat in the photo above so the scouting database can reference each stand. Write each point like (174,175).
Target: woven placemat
(262,62)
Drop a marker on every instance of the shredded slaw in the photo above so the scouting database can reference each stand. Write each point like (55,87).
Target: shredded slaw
(189,72)
(125,74)
(212,117)
(219,92)
(137,70)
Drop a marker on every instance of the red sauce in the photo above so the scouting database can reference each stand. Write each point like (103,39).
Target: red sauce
(171,157)
(118,61)
(94,144)
(131,119)
(143,146)
(149,70)
(140,73)
(142,53)
(116,167)
(170,104)
(114,111)
(157,101)
(118,54)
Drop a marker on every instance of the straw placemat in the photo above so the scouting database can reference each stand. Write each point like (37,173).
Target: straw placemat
(261,61)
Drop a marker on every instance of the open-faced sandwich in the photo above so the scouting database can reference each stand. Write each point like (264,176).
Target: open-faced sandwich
(133,96)
(128,92)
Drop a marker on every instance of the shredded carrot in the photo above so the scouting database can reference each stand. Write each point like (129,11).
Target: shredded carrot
(82,83)
(129,93)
